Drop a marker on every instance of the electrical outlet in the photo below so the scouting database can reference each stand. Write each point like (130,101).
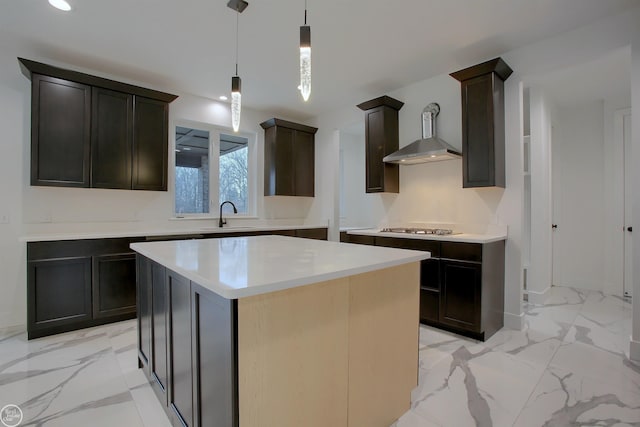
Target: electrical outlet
(5,219)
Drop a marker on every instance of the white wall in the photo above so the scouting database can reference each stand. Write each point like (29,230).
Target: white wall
(635,135)
(14,102)
(539,277)
(355,202)
(578,187)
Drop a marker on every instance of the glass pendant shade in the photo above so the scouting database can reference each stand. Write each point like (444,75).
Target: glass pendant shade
(305,61)
(235,102)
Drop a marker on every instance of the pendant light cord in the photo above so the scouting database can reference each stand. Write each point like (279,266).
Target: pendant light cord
(305,12)
(237,25)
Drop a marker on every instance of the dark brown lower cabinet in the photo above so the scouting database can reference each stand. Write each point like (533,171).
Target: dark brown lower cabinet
(77,284)
(59,292)
(114,291)
(312,233)
(192,341)
(429,290)
(461,295)
(461,285)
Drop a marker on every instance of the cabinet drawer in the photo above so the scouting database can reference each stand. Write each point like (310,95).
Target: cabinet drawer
(461,251)
(415,244)
(361,240)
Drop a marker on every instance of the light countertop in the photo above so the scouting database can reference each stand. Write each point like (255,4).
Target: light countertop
(460,237)
(237,267)
(116,230)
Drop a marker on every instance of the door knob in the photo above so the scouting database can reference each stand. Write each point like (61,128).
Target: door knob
(554,226)
(629,228)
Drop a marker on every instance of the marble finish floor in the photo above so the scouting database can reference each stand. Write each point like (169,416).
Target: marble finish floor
(567,367)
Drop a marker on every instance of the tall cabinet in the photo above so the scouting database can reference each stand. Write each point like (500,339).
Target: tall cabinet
(382,138)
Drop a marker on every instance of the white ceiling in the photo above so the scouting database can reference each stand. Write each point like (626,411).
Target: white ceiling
(361,48)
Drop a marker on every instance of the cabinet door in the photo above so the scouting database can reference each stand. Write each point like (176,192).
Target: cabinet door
(215,363)
(150,144)
(59,293)
(304,164)
(159,337)
(111,138)
(374,134)
(144,286)
(114,285)
(180,369)
(60,132)
(478,162)
(460,294)
(284,167)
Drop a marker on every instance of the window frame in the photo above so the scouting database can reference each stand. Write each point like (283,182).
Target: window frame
(214,168)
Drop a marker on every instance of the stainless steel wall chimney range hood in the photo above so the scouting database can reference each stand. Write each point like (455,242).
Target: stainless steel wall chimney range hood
(428,149)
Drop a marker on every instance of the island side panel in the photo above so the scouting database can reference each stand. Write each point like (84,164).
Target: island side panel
(215,358)
(292,357)
(384,325)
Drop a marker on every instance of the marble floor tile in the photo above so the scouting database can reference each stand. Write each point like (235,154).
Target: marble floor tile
(475,387)
(436,344)
(605,309)
(564,398)
(67,379)
(605,337)
(601,365)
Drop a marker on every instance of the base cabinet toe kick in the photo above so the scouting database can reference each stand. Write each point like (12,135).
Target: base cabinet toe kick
(300,356)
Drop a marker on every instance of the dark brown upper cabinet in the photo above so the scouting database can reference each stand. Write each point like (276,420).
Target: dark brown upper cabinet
(60,132)
(111,138)
(87,131)
(150,138)
(289,158)
(483,123)
(381,135)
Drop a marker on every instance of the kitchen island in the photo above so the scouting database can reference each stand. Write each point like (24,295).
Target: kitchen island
(274,330)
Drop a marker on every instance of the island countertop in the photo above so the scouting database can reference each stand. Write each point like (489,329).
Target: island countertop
(238,267)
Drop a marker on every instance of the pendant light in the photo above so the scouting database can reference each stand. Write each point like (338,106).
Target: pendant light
(305,57)
(236,82)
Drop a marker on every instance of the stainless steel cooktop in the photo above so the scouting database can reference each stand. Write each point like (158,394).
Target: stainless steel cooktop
(437,231)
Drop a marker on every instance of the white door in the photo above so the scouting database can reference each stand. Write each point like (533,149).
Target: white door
(628,263)
(578,197)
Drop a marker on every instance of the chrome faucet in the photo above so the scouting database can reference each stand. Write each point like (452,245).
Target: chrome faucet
(222,222)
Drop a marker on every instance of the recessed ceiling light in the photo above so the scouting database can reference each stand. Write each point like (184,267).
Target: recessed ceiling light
(60,4)
(223,98)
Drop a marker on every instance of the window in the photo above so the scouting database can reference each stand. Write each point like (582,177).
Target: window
(233,177)
(212,166)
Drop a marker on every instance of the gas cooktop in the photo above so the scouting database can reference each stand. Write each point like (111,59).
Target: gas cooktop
(436,231)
